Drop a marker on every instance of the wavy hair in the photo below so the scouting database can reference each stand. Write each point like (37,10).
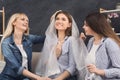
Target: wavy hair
(9,30)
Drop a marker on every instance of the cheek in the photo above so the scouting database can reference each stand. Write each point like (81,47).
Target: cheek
(85,28)
(55,25)
(67,25)
(89,32)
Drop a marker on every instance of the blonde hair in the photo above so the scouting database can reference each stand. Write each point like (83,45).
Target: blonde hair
(9,30)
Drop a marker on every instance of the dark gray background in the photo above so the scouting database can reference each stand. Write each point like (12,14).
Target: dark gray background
(40,11)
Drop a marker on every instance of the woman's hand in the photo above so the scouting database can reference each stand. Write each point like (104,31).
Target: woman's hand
(82,36)
(93,69)
(42,78)
(46,78)
(57,79)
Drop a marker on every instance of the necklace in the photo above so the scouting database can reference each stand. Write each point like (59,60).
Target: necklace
(60,42)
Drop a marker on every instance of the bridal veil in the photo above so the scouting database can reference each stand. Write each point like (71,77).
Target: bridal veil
(48,64)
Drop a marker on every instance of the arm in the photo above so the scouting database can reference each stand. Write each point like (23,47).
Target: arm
(37,39)
(93,69)
(113,51)
(9,57)
(33,76)
(63,76)
(69,71)
(30,75)
(71,66)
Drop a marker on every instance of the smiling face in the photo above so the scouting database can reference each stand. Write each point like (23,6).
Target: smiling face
(21,23)
(62,22)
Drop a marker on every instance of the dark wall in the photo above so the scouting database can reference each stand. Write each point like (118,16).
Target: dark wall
(40,11)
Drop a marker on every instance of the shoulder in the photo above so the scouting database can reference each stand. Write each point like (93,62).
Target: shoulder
(111,44)
(7,40)
(110,41)
(30,36)
(69,39)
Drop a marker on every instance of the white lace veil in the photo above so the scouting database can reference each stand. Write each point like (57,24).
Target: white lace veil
(48,64)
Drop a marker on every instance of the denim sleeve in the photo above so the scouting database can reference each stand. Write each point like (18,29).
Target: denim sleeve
(10,58)
(113,52)
(37,39)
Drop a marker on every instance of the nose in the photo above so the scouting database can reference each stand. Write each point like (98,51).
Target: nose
(83,26)
(26,22)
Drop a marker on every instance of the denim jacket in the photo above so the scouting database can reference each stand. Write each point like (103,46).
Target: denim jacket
(13,68)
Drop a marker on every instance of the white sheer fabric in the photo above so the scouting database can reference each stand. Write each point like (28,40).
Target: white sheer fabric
(90,59)
(48,61)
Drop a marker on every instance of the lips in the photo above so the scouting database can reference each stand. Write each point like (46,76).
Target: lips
(25,25)
(59,25)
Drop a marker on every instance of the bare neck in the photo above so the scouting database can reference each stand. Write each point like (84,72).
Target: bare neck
(97,39)
(61,35)
(18,37)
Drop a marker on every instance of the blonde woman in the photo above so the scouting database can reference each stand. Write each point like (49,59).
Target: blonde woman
(16,47)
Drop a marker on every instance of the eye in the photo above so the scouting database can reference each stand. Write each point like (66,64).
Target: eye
(57,18)
(63,19)
(22,19)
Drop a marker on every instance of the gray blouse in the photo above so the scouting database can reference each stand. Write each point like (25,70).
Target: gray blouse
(66,60)
(107,58)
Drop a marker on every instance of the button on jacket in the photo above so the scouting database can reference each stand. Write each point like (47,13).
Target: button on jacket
(13,56)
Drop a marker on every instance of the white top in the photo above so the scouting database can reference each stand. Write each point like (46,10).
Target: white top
(90,59)
(24,56)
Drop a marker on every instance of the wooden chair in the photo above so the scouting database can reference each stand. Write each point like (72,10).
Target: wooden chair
(2,13)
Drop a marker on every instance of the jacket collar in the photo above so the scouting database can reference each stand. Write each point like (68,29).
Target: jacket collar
(92,40)
(12,38)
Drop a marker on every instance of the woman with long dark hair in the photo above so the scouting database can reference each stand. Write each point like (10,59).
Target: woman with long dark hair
(103,59)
